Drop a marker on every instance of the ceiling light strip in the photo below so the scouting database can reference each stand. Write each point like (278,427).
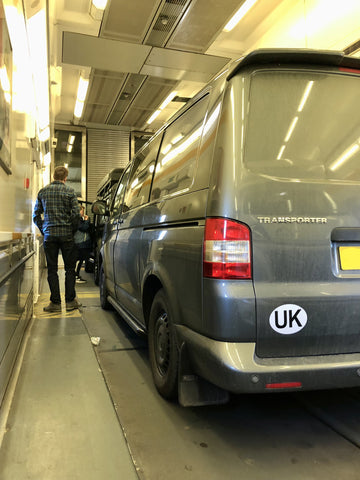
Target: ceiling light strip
(165,103)
(81,96)
(153,116)
(99,4)
(243,10)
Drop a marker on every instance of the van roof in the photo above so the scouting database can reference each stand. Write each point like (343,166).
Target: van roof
(295,56)
(268,56)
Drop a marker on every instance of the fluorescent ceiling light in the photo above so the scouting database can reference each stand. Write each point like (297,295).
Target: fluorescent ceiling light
(168,100)
(82,89)
(5,83)
(69,148)
(245,7)
(71,139)
(305,95)
(153,116)
(79,106)
(4,79)
(81,95)
(99,4)
(37,35)
(162,106)
(135,182)
(166,149)
(212,119)
(182,146)
(47,159)
(23,99)
(345,156)
(281,152)
(177,138)
(44,134)
(291,129)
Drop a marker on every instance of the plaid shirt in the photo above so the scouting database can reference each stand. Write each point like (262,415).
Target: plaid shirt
(56,210)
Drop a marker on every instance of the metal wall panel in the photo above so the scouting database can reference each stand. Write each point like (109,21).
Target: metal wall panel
(106,149)
(16,301)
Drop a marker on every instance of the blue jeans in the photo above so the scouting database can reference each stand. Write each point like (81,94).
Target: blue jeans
(52,246)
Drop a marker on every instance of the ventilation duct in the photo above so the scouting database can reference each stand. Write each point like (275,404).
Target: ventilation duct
(166,22)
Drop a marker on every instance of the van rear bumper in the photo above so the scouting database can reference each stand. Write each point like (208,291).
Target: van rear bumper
(236,368)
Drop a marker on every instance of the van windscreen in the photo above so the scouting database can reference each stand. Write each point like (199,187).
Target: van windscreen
(304,124)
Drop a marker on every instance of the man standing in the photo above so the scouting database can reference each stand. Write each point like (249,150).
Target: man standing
(57,215)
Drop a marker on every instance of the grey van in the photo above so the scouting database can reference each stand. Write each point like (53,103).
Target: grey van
(233,239)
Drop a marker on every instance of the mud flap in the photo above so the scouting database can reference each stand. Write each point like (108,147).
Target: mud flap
(193,390)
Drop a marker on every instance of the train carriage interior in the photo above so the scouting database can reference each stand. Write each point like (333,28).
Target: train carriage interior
(144,378)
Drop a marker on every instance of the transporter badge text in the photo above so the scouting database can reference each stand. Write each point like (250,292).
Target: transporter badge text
(292,220)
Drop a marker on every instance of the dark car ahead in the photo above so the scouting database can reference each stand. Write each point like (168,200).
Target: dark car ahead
(105,192)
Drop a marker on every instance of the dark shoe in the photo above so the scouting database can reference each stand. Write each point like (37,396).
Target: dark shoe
(73,305)
(53,307)
(80,280)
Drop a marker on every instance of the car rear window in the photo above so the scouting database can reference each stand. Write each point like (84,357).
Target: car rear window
(303,124)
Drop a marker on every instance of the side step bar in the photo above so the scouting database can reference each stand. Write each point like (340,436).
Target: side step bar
(139,329)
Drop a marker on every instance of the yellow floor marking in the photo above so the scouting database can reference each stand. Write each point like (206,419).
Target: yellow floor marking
(88,295)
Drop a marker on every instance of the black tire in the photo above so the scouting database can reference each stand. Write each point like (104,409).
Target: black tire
(105,305)
(163,352)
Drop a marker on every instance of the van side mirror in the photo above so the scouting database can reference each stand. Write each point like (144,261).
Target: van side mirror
(99,208)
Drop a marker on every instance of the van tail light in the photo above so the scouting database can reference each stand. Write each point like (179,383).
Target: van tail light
(274,386)
(350,70)
(227,249)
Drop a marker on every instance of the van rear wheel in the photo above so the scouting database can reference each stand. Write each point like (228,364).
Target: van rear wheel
(163,351)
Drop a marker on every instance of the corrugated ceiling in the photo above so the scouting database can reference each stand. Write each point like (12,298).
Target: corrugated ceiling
(185,25)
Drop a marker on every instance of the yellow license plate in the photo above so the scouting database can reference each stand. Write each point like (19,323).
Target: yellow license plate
(349,258)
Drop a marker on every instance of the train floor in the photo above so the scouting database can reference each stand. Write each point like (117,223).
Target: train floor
(85,411)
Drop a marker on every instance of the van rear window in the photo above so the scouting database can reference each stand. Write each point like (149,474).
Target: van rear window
(303,124)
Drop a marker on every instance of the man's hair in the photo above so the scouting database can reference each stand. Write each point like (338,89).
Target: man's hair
(60,173)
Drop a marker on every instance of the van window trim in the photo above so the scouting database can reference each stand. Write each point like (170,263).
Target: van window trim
(181,113)
(160,134)
(157,135)
(117,187)
(199,96)
(202,97)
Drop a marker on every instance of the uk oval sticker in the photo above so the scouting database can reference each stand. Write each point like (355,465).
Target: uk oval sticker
(288,319)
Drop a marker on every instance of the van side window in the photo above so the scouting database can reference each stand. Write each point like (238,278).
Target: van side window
(137,192)
(177,161)
(116,206)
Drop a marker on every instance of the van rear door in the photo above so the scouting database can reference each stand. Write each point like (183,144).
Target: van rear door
(301,187)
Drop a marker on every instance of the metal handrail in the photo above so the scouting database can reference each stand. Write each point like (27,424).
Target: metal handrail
(8,274)
(7,243)
(15,241)
(19,242)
